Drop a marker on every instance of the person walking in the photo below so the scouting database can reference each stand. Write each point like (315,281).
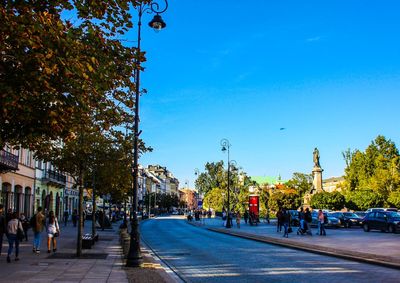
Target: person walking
(308,220)
(13,236)
(74,217)
(267,216)
(53,231)
(3,227)
(279,220)
(285,222)
(25,225)
(246,216)
(238,218)
(37,223)
(65,216)
(321,223)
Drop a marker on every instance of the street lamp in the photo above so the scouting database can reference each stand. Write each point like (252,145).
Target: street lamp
(134,257)
(225,147)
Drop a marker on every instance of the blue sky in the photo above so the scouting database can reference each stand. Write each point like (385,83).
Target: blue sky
(326,71)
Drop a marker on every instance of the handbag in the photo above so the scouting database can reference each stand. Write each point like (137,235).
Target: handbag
(56,234)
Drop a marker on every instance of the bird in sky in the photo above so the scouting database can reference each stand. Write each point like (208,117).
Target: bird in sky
(281,129)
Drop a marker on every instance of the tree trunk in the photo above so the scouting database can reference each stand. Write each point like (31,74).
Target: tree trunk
(80,218)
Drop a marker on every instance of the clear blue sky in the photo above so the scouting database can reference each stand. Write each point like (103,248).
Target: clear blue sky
(326,71)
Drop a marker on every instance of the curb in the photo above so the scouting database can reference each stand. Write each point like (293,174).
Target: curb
(339,253)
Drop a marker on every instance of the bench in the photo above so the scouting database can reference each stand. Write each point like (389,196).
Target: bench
(88,240)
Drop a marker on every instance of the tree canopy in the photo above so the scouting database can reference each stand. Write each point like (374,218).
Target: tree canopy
(54,71)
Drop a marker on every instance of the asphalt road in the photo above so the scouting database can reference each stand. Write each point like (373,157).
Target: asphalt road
(198,255)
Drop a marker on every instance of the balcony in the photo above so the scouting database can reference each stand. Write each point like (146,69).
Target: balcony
(8,161)
(54,178)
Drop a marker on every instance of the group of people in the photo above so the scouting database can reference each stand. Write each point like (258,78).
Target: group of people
(16,230)
(284,219)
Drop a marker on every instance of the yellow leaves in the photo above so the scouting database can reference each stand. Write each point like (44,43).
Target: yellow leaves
(90,68)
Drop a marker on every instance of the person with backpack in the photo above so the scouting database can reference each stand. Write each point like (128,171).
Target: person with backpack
(25,225)
(279,219)
(308,220)
(37,223)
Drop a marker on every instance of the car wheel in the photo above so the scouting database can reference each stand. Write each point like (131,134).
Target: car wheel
(366,227)
(391,229)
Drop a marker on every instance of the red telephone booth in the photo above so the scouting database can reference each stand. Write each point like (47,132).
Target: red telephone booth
(254,207)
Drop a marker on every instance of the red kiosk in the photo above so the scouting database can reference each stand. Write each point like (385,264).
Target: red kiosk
(254,209)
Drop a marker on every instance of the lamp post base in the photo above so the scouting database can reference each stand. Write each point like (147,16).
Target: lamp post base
(134,257)
(228,222)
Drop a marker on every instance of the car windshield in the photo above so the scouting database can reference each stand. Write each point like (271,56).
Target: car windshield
(349,214)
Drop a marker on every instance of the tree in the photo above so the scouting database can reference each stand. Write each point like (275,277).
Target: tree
(288,199)
(215,199)
(394,199)
(362,199)
(326,200)
(53,72)
(300,182)
(377,168)
(213,177)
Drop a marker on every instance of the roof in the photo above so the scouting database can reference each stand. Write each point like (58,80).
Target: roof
(271,180)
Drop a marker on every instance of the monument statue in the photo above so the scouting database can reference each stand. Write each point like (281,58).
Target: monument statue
(316,157)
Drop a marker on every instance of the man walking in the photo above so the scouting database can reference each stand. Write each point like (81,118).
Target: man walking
(37,223)
(308,219)
(2,226)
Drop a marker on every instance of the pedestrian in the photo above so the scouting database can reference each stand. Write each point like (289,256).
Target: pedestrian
(279,220)
(308,221)
(25,225)
(66,215)
(14,235)
(3,227)
(267,216)
(321,223)
(74,217)
(286,222)
(53,231)
(246,216)
(238,218)
(224,217)
(37,223)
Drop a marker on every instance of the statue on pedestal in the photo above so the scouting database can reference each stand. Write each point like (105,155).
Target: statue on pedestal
(316,157)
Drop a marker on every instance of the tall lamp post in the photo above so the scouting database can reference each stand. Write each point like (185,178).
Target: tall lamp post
(225,147)
(134,257)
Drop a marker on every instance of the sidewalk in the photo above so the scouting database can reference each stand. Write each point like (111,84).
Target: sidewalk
(353,243)
(102,263)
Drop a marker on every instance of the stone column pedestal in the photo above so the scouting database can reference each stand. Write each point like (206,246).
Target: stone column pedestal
(317,179)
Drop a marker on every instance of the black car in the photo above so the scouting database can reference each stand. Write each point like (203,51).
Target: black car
(386,221)
(347,219)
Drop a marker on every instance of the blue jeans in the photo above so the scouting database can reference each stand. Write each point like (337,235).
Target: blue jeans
(12,238)
(37,240)
(1,241)
(321,228)
(286,225)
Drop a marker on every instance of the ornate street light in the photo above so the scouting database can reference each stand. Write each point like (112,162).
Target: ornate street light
(134,257)
(225,147)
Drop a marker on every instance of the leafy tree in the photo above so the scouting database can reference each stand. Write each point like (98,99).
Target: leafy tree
(53,73)
(362,199)
(215,199)
(288,199)
(300,182)
(394,199)
(213,177)
(377,168)
(326,200)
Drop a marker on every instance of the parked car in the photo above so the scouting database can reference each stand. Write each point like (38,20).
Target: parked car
(330,221)
(381,209)
(361,214)
(386,221)
(347,219)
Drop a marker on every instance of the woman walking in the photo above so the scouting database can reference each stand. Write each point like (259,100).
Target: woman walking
(321,223)
(53,231)
(238,218)
(12,234)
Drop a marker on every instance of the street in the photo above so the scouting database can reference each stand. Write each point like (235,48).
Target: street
(198,255)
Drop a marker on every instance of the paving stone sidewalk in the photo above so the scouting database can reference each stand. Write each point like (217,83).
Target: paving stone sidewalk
(103,263)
